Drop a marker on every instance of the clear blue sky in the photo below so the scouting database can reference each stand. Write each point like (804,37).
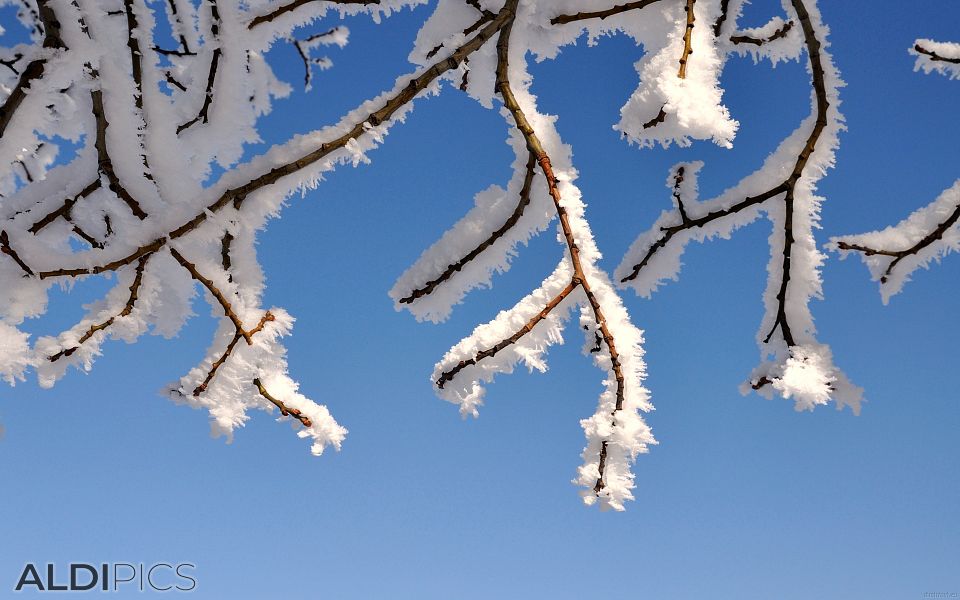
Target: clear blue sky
(743,498)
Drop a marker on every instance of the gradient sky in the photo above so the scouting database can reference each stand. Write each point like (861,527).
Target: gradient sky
(742,499)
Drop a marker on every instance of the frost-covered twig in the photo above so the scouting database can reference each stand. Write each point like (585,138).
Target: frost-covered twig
(615,433)
(800,368)
(931,232)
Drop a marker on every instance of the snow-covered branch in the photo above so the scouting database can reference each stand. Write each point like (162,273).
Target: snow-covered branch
(794,363)
(931,232)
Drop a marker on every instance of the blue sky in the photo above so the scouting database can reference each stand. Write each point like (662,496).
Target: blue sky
(742,499)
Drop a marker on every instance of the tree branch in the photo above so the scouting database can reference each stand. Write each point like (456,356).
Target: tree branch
(127,309)
(601,14)
(284,409)
(776,35)
(512,220)
(899,255)
(787,187)
(934,56)
(35,69)
(687,39)
(285,8)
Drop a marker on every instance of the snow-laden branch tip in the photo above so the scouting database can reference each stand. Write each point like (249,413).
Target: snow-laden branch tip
(930,233)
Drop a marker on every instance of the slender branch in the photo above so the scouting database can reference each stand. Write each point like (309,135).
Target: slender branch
(601,14)
(484,19)
(167,52)
(237,336)
(127,309)
(35,69)
(284,409)
(687,39)
(915,249)
(512,220)
(236,195)
(579,276)
(110,266)
(9,251)
(934,56)
(781,32)
(136,56)
(661,116)
(64,209)
(718,24)
(669,232)
(10,63)
(225,250)
(285,8)
(215,291)
(104,161)
(178,24)
(94,242)
(677,180)
(172,81)
(208,95)
(449,374)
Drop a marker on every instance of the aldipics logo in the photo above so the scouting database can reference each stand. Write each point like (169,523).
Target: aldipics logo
(107,577)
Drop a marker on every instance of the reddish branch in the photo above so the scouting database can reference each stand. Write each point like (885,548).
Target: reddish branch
(579,279)
(34,70)
(913,250)
(236,195)
(687,39)
(601,14)
(776,35)
(127,309)
(934,56)
(215,291)
(237,336)
(786,188)
(285,8)
(454,268)
(284,409)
